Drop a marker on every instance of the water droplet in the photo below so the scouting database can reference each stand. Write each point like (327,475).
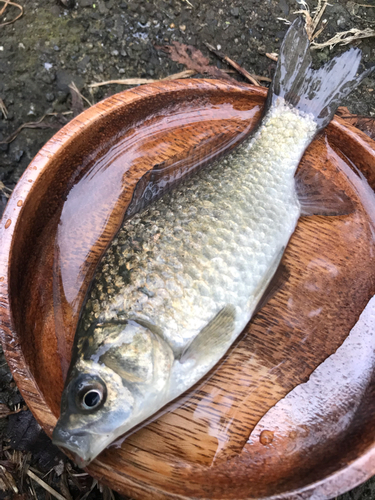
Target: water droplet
(266,437)
(19,203)
(1,278)
(8,223)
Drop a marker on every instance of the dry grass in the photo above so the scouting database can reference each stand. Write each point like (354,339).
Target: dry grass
(142,81)
(345,37)
(38,124)
(252,78)
(312,22)
(315,25)
(6,3)
(3,109)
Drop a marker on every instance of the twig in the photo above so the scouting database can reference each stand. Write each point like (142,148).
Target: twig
(143,81)
(73,86)
(4,409)
(8,479)
(128,81)
(6,3)
(272,56)
(318,16)
(232,63)
(3,109)
(320,30)
(12,136)
(312,23)
(45,485)
(261,78)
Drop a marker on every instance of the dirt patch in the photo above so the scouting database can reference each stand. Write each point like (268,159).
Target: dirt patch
(98,40)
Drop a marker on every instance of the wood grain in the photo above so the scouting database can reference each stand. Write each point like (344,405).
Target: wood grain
(60,219)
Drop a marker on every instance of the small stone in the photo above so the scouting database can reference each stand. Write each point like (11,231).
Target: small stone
(83,62)
(262,49)
(322,57)
(47,77)
(64,79)
(235,11)
(115,52)
(182,27)
(55,10)
(17,155)
(50,97)
(32,109)
(172,26)
(103,8)
(4,148)
(353,8)
(341,22)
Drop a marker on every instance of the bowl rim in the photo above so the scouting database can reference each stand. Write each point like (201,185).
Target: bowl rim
(347,477)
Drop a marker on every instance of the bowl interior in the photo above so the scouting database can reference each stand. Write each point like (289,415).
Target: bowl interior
(221,439)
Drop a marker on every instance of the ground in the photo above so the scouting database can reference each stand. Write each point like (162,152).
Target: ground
(52,45)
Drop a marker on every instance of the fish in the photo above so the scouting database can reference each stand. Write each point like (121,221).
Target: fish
(184,276)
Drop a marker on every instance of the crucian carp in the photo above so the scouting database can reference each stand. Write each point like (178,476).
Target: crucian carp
(183,277)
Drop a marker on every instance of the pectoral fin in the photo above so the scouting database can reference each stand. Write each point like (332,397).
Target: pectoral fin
(213,337)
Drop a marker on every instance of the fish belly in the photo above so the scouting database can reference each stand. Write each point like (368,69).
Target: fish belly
(214,241)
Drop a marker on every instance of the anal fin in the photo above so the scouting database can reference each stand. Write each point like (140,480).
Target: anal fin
(213,337)
(319,195)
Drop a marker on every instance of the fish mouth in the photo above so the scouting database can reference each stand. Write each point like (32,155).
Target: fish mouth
(84,445)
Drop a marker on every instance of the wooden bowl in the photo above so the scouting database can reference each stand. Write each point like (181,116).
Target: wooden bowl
(224,439)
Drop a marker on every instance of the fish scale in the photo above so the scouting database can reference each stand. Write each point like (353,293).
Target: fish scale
(208,243)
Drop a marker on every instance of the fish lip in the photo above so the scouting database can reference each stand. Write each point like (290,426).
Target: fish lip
(85,446)
(81,461)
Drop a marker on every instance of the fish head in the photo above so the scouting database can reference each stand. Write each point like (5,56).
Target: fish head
(118,380)
(94,405)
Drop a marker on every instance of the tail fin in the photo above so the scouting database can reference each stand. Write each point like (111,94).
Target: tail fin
(320,91)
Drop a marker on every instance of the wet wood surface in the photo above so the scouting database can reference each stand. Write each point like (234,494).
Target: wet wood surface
(60,219)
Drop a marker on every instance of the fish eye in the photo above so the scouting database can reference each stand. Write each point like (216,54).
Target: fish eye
(90,395)
(92,399)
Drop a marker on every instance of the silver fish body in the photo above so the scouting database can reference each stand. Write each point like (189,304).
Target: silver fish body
(214,242)
(182,279)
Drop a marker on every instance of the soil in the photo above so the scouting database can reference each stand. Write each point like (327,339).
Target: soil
(87,41)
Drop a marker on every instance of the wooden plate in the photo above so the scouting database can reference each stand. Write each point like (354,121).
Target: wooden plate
(225,439)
